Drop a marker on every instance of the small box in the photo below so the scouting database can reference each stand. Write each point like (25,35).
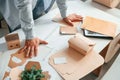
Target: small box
(108,3)
(12,41)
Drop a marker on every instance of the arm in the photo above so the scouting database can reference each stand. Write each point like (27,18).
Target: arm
(26,17)
(27,23)
(63,9)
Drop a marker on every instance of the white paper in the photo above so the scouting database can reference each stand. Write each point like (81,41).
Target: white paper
(7,78)
(60,60)
(15,59)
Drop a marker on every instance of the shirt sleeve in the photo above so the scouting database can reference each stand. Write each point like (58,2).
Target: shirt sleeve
(62,7)
(26,17)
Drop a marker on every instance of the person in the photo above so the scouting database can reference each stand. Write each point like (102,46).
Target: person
(22,13)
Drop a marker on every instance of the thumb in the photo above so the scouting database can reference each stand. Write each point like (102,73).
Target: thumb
(68,21)
(43,42)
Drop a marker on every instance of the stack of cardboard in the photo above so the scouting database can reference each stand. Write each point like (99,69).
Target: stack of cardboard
(99,26)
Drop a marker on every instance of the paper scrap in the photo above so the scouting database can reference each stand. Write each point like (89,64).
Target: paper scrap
(60,60)
(17,60)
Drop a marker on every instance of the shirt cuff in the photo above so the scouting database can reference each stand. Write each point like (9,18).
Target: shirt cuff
(29,34)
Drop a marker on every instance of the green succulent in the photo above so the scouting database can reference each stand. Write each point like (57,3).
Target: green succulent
(32,74)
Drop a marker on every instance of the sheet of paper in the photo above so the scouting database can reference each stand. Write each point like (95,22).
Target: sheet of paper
(15,59)
(60,60)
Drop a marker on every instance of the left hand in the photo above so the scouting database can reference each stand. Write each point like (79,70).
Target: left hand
(72,18)
(31,47)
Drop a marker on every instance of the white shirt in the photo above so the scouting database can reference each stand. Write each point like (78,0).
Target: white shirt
(17,12)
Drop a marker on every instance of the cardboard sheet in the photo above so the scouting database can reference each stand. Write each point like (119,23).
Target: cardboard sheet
(108,3)
(77,65)
(99,26)
(30,64)
(15,74)
(68,30)
(58,19)
(114,46)
(81,59)
(21,57)
(72,57)
(6,76)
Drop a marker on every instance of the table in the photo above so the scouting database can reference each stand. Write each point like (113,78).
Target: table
(49,31)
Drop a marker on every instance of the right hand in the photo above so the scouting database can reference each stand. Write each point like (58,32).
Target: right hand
(31,47)
(72,18)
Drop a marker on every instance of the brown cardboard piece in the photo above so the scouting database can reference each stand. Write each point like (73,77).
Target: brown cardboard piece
(15,74)
(113,47)
(20,56)
(99,26)
(108,3)
(38,66)
(47,75)
(78,65)
(6,75)
(30,64)
(68,30)
(12,41)
(58,19)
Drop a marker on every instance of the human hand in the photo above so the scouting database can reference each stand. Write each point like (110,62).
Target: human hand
(31,47)
(72,18)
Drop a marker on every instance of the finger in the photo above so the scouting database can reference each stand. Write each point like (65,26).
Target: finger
(69,22)
(79,16)
(22,50)
(77,19)
(31,52)
(36,51)
(27,52)
(43,42)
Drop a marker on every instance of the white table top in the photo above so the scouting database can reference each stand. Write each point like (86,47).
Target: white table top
(49,31)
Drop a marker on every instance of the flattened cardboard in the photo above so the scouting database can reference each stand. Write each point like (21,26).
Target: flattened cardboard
(68,30)
(114,46)
(6,75)
(99,26)
(30,64)
(21,56)
(108,3)
(78,65)
(58,19)
(15,74)
(78,48)
(12,41)
(47,75)
(72,56)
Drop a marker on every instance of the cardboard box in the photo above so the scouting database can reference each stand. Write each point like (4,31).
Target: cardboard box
(12,41)
(108,3)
